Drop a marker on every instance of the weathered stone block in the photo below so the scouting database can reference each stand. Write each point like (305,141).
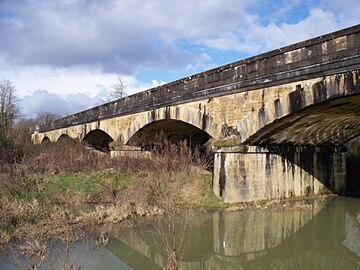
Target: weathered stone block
(259,174)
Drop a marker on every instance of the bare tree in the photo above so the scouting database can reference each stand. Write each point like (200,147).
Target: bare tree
(46,118)
(171,230)
(118,89)
(9,108)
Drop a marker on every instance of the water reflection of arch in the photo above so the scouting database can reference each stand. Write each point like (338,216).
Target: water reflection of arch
(147,242)
(219,243)
(321,243)
(250,232)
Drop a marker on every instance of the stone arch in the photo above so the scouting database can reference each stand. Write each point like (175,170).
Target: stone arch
(193,118)
(45,139)
(324,113)
(64,137)
(174,130)
(98,139)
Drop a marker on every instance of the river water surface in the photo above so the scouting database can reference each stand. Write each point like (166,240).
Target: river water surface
(317,235)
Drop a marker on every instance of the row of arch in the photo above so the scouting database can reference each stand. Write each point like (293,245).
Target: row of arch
(174,130)
(324,113)
(333,123)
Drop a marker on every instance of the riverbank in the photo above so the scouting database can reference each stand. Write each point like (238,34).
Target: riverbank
(200,236)
(57,205)
(96,198)
(39,206)
(62,189)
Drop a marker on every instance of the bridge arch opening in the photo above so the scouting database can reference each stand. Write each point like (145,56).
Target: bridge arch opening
(174,130)
(330,123)
(352,167)
(99,140)
(64,138)
(319,139)
(45,140)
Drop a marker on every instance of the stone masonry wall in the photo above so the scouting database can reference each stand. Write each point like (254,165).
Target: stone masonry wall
(257,174)
(328,54)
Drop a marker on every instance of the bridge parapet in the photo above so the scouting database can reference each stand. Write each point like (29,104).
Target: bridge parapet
(324,55)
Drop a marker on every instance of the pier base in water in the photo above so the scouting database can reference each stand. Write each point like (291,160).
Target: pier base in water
(251,173)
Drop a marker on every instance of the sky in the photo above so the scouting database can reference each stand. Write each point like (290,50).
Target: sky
(63,56)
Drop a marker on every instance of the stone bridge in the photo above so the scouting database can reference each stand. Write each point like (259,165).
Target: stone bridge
(276,122)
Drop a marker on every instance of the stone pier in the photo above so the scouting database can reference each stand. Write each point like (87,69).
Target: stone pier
(128,151)
(251,173)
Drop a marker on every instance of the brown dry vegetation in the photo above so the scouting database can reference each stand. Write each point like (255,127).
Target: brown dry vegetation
(64,186)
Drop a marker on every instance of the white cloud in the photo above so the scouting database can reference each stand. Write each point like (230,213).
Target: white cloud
(82,46)
(123,36)
(117,36)
(65,90)
(231,42)
(256,38)
(347,11)
(64,81)
(68,103)
(43,101)
(273,36)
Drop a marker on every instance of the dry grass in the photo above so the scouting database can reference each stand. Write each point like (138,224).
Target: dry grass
(46,195)
(66,156)
(110,214)
(59,190)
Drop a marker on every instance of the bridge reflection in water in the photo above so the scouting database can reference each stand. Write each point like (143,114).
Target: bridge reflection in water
(319,236)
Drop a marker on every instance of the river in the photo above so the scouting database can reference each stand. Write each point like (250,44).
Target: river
(315,235)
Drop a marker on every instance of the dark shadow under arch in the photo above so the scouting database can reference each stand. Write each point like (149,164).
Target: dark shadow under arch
(174,130)
(352,167)
(45,140)
(64,137)
(330,123)
(315,139)
(98,139)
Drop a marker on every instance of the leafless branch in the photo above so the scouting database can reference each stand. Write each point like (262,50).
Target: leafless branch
(118,89)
